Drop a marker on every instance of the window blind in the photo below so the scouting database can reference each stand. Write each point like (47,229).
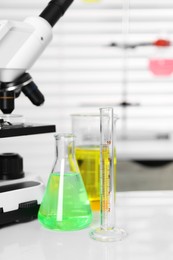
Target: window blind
(82,69)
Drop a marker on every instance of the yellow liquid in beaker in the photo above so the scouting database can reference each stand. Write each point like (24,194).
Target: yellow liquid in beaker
(88,158)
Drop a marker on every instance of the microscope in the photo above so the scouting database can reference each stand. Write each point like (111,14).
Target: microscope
(21,44)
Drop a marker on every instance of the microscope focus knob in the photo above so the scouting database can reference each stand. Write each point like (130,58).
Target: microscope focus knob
(11,166)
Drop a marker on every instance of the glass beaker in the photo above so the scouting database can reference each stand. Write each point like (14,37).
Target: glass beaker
(65,205)
(86,128)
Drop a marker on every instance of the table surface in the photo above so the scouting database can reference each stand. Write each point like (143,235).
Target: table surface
(146,216)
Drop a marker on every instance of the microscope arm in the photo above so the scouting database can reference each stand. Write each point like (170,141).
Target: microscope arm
(21,44)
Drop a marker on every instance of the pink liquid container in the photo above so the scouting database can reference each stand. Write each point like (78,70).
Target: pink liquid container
(161,67)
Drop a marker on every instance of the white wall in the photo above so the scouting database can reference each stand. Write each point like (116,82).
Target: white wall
(79,72)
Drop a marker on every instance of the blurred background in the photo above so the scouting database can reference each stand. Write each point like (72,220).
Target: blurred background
(105,53)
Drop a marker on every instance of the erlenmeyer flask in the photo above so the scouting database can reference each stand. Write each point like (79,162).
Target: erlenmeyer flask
(65,204)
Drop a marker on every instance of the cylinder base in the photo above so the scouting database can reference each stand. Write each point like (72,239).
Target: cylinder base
(109,235)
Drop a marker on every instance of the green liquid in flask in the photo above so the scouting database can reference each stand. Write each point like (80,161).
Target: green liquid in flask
(65,204)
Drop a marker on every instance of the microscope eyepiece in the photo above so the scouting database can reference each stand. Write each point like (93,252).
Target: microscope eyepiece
(54,10)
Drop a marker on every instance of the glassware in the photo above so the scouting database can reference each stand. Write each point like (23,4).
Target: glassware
(86,128)
(107,232)
(65,205)
(161,62)
(161,67)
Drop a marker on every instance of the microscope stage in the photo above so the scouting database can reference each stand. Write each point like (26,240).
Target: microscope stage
(25,129)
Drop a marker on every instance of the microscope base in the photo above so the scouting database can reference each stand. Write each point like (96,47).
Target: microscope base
(20,201)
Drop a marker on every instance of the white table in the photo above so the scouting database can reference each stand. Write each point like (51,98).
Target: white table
(146,216)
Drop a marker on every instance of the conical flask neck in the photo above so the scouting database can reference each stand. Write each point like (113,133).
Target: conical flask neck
(64,146)
(65,161)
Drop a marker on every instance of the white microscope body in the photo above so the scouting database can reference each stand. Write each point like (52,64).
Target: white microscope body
(21,44)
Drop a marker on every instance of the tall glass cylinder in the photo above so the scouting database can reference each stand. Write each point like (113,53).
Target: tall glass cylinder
(107,169)
(107,231)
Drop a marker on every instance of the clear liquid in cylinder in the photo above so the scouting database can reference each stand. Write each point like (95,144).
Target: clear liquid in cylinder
(88,158)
